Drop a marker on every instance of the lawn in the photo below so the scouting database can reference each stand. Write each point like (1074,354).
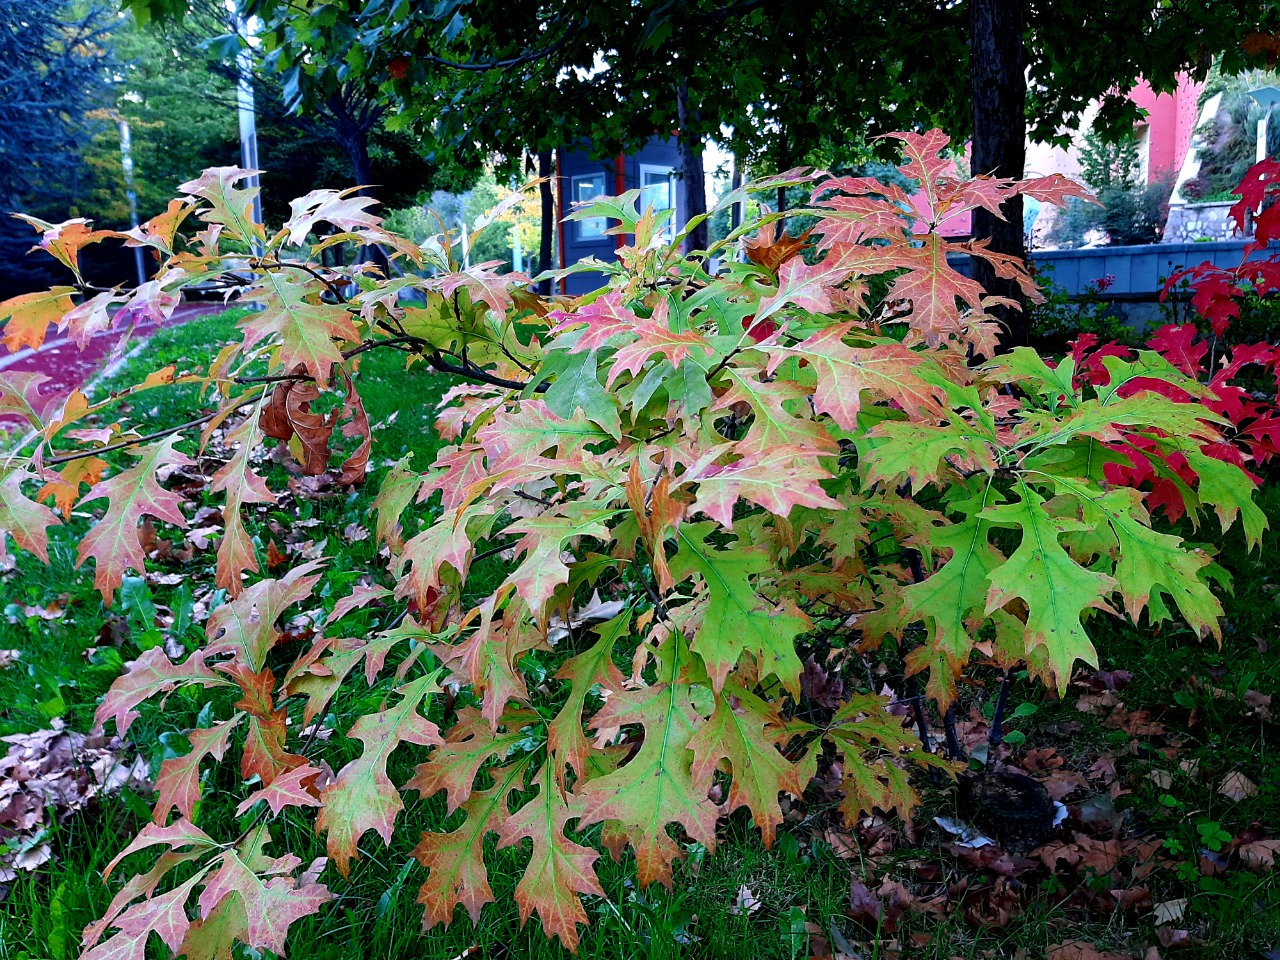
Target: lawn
(1190,717)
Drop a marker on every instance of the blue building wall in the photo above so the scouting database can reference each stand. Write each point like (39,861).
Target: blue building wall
(578,240)
(1139,272)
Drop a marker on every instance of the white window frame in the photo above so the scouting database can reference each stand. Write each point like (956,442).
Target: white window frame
(669,174)
(592,228)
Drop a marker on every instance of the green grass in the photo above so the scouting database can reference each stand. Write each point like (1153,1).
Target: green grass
(801,878)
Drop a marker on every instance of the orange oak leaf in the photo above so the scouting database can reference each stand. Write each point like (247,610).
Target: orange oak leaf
(270,907)
(888,370)
(487,658)
(292,789)
(656,786)
(594,667)
(559,869)
(246,627)
(160,230)
(114,542)
(21,395)
(164,915)
(778,479)
(242,485)
(355,427)
(23,518)
(179,834)
(455,860)
(64,241)
(307,331)
(743,731)
(179,782)
(229,207)
(152,674)
(264,753)
(363,797)
(771,250)
(63,486)
(28,316)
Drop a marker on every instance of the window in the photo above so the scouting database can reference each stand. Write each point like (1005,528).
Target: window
(586,188)
(658,190)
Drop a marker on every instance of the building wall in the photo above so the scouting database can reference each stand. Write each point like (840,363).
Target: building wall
(1171,118)
(620,174)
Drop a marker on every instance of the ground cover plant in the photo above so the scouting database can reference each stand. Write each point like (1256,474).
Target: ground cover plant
(765,483)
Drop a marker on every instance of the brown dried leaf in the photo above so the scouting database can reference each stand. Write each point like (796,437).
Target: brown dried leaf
(1260,854)
(1236,786)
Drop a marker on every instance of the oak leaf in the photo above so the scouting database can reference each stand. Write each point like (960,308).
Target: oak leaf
(114,541)
(363,797)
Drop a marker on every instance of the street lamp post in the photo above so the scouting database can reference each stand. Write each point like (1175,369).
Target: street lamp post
(247,113)
(131,194)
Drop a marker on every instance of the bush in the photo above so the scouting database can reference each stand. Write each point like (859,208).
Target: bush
(761,481)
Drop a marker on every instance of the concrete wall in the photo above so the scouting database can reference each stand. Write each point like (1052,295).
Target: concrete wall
(1136,274)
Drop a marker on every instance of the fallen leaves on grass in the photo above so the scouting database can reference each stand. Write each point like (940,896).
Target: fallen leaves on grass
(1081,950)
(882,909)
(48,775)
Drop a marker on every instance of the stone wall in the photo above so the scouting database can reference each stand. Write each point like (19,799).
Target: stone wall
(1192,222)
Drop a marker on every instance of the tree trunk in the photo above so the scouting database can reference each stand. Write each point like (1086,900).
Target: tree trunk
(691,172)
(998,85)
(546,171)
(361,166)
(357,144)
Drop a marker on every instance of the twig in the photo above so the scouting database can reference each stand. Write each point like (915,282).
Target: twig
(305,268)
(996,736)
(532,499)
(491,552)
(158,435)
(953,740)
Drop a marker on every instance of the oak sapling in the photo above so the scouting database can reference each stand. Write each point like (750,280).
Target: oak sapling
(741,458)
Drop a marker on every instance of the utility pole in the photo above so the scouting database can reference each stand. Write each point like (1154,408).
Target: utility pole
(248,123)
(131,193)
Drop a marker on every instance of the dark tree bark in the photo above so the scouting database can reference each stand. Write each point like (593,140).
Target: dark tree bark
(998,84)
(546,171)
(691,172)
(351,118)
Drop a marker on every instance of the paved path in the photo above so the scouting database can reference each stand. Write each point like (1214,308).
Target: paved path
(69,367)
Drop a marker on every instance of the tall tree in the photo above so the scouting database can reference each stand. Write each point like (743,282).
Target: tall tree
(55,71)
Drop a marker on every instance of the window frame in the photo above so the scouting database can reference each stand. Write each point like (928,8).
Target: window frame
(669,174)
(592,228)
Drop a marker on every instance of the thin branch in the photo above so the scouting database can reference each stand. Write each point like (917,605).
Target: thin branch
(305,268)
(486,65)
(473,372)
(158,435)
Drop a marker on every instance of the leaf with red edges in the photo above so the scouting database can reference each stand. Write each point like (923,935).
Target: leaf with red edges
(152,674)
(178,785)
(114,542)
(363,797)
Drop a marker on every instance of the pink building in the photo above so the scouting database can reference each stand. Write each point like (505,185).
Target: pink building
(1170,121)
